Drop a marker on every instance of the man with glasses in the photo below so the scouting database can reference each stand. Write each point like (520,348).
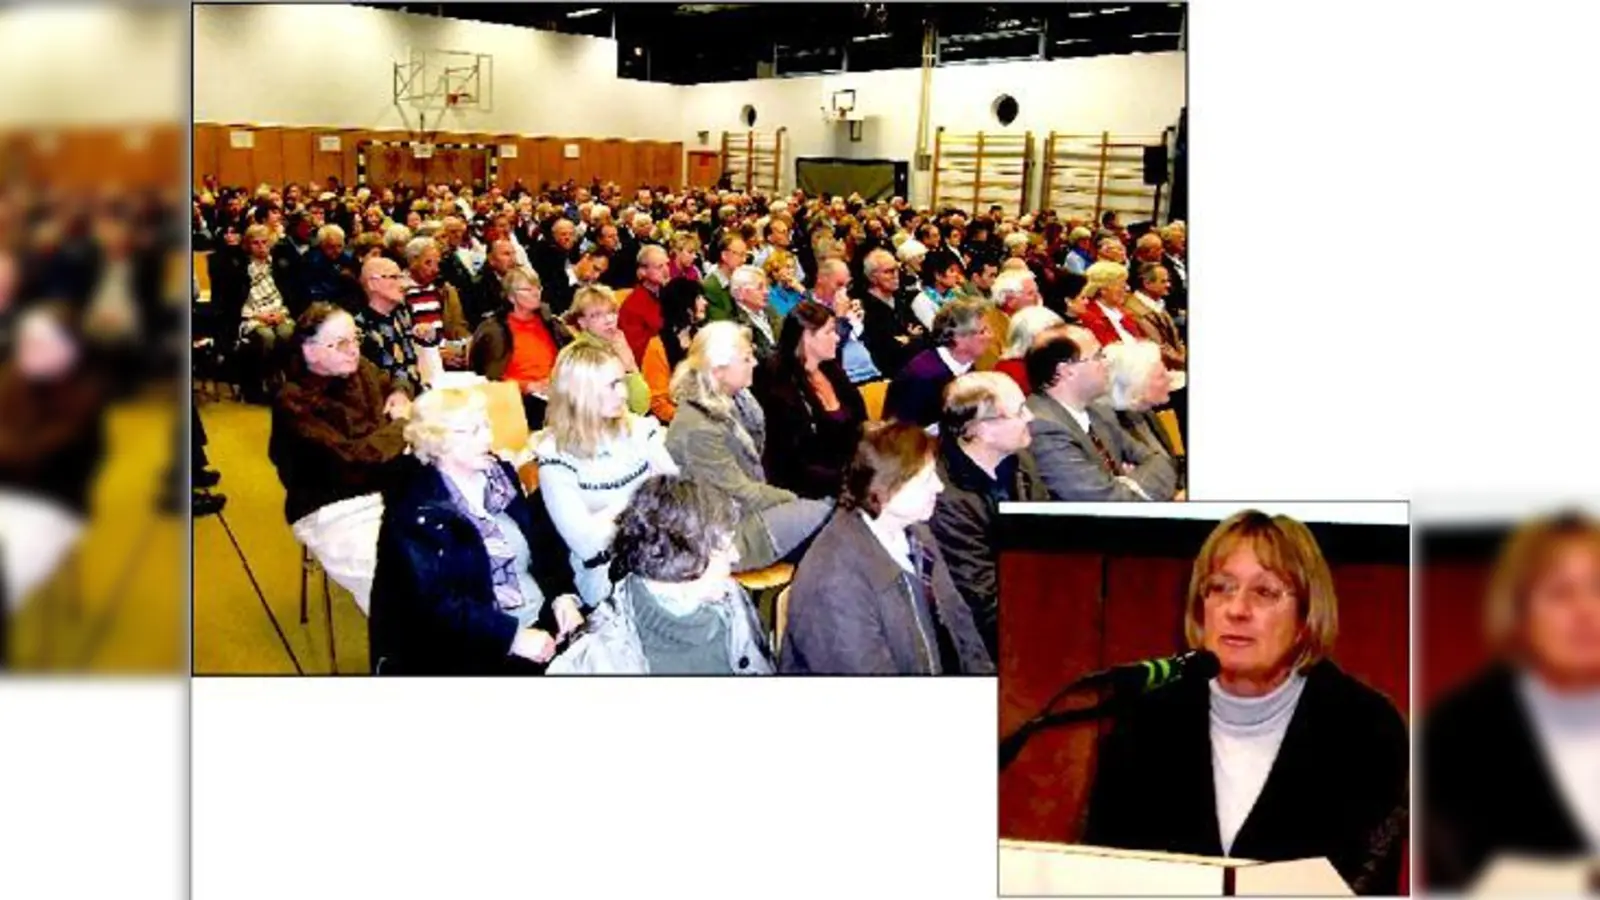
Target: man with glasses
(1082,453)
(389,335)
(718,283)
(960,335)
(983,462)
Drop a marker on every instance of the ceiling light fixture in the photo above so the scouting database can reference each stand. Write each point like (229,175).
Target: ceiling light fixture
(870,37)
(580,13)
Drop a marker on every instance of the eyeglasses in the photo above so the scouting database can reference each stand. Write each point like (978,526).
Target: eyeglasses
(347,343)
(1260,596)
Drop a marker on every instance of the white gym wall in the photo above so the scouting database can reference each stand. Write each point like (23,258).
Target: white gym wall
(332,66)
(91,65)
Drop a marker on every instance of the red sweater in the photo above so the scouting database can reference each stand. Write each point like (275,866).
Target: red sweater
(640,319)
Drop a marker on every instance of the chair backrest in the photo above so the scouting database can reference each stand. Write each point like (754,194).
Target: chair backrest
(507,419)
(1169,422)
(873,394)
(780,619)
(202,272)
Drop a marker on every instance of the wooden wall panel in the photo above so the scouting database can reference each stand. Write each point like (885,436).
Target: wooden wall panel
(296,146)
(287,154)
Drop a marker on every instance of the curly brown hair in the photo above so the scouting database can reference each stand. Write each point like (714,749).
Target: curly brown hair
(670,529)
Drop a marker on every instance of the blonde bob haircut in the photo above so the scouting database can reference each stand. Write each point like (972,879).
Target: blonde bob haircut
(438,419)
(1101,275)
(1524,559)
(1285,547)
(584,371)
(587,299)
(694,381)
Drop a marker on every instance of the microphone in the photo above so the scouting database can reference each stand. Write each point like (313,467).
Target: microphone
(1125,682)
(1152,674)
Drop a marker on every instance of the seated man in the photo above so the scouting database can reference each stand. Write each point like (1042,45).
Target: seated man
(983,461)
(833,286)
(1013,291)
(960,335)
(1082,453)
(325,275)
(890,338)
(388,334)
(337,429)
(750,309)
(718,283)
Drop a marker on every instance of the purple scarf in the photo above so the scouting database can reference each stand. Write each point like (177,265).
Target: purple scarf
(502,558)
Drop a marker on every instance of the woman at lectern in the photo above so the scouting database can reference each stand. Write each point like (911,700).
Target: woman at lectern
(1511,761)
(1282,756)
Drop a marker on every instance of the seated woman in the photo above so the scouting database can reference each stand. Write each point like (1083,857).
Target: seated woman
(1261,598)
(52,443)
(337,429)
(814,413)
(1507,760)
(676,609)
(1102,306)
(593,316)
(685,250)
(873,595)
(466,583)
(683,311)
(519,343)
(784,289)
(264,320)
(717,438)
(1139,383)
(593,454)
(1026,324)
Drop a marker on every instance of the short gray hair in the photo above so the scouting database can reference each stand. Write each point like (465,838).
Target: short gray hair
(1008,284)
(957,318)
(416,247)
(1025,326)
(1129,365)
(747,276)
(328,233)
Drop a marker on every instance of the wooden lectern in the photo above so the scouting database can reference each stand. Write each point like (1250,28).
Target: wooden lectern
(1031,869)
(1525,876)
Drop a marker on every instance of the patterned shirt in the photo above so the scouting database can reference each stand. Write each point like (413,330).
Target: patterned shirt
(387,341)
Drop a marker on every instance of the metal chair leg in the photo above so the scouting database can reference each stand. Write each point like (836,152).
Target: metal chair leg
(305,575)
(327,606)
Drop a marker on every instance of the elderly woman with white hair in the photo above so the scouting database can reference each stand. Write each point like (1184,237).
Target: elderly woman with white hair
(1016,244)
(468,581)
(1025,325)
(717,437)
(1139,382)
(1282,755)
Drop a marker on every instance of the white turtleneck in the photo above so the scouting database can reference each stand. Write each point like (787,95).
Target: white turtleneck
(1566,727)
(1246,733)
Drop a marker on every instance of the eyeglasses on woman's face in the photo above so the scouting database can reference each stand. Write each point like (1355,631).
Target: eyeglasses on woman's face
(1261,594)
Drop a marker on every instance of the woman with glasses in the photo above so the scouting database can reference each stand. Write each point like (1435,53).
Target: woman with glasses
(519,343)
(873,595)
(1508,760)
(337,429)
(593,317)
(593,454)
(675,609)
(467,582)
(1282,755)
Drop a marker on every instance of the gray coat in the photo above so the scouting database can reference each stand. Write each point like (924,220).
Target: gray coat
(724,452)
(612,645)
(1070,466)
(851,610)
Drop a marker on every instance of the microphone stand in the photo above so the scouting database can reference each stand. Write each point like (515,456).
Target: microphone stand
(1012,744)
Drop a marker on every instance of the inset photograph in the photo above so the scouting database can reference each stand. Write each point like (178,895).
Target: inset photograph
(1204,699)
(1508,614)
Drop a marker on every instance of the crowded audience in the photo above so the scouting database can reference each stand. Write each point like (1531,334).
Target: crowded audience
(798,373)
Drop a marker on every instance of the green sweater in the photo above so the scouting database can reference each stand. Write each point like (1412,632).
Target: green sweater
(696,644)
(719,300)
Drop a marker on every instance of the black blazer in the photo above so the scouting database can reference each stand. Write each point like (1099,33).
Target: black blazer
(1337,788)
(433,606)
(1485,786)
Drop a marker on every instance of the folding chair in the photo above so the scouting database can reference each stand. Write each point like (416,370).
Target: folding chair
(308,564)
(874,393)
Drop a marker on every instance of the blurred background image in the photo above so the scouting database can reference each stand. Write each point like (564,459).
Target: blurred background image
(1508,610)
(93,286)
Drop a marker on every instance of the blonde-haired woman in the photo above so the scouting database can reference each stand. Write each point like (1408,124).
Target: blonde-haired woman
(1261,598)
(784,290)
(593,317)
(1101,305)
(467,582)
(1508,759)
(717,437)
(592,455)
